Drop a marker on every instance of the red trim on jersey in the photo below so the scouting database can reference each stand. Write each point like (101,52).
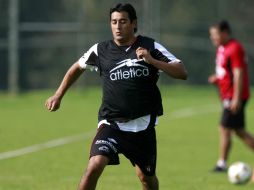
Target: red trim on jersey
(230,56)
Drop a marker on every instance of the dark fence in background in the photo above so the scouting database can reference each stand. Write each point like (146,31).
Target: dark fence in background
(53,34)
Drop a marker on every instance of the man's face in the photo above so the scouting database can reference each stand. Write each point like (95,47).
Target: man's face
(121,26)
(215,36)
(218,37)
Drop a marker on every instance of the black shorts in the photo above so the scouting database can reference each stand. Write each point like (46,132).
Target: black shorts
(234,121)
(138,147)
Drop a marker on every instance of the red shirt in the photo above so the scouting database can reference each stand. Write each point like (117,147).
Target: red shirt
(228,57)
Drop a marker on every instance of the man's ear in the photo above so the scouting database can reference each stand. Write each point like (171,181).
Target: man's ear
(135,23)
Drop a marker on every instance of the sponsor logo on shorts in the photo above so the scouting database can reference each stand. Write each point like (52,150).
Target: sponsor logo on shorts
(112,140)
(107,143)
(104,149)
(149,168)
(134,70)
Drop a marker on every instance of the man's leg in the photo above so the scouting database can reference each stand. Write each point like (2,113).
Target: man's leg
(94,169)
(225,142)
(246,137)
(148,182)
(252,177)
(225,146)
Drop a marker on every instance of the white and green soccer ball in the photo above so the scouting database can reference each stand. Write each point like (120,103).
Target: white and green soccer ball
(239,173)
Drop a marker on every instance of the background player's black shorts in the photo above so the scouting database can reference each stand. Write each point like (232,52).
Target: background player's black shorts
(138,147)
(234,121)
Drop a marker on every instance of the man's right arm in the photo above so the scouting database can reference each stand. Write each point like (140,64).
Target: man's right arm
(212,79)
(53,102)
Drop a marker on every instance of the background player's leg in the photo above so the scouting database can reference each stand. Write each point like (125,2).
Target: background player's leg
(252,177)
(94,169)
(246,137)
(225,142)
(225,146)
(148,182)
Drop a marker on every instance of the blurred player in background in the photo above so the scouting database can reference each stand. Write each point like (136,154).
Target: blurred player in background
(232,79)
(129,67)
(252,177)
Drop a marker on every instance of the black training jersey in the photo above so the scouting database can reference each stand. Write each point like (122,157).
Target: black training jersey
(129,84)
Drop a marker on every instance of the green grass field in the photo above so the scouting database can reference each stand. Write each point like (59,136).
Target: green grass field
(187,142)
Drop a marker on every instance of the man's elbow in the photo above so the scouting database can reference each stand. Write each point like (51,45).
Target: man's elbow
(184,75)
(177,71)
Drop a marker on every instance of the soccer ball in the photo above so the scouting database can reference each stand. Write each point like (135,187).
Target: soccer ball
(239,173)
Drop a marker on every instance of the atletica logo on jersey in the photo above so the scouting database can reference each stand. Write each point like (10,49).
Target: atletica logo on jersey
(135,70)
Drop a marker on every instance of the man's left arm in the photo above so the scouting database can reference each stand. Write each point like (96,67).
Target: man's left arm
(237,64)
(174,69)
(238,85)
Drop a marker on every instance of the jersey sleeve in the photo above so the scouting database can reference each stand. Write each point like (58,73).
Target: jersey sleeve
(237,57)
(89,59)
(161,53)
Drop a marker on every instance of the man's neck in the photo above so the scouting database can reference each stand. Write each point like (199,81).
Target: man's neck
(226,40)
(128,42)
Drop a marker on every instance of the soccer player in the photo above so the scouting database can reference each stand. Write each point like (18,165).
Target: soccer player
(129,66)
(252,177)
(232,79)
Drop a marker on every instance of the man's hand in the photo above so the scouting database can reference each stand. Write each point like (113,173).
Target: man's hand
(144,54)
(238,86)
(212,79)
(235,106)
(53,103)
(174,69)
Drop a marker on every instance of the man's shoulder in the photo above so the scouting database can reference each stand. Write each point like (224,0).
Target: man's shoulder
(107,44)
(145,38)
(235,45)
(145,42)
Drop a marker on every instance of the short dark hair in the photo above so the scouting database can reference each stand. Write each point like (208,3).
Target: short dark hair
(223,26)
(126,7)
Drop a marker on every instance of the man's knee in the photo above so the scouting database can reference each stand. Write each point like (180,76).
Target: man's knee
(241,133)
(94,169)
(96,165)
(148,179)
(150,182)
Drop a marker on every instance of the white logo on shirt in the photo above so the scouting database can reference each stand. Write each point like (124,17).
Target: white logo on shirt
(220,71)
(136,70)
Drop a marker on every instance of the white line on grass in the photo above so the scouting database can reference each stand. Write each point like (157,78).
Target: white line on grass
(191,111)
(186,112)
(46,145)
